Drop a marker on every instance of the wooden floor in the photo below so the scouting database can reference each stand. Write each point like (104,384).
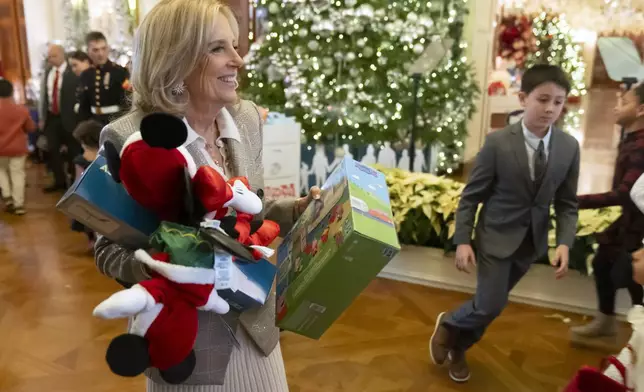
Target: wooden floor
(50,342)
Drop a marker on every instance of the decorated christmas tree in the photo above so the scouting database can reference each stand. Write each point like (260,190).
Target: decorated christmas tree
(116,20)
(340,67)
(76,15)
(555,45)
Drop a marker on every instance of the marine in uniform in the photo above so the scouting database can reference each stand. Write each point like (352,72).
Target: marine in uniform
(104,91)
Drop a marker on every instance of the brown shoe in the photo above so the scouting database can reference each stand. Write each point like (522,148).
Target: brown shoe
(459,371)
(440,342)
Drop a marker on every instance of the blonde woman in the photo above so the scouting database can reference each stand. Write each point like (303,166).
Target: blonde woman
(185,63)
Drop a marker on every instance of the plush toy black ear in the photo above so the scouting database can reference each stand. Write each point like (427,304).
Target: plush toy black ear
(113,160)
(127,355)
(163,130)
(181,372)
(193,208)
(227,224)
(255,225)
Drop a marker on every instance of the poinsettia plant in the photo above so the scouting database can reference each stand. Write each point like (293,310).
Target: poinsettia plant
(424,209)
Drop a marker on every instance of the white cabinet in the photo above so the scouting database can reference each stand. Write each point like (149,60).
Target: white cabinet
(282,157)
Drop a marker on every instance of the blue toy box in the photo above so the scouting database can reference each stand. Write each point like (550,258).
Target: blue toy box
(243,285)
(103,205)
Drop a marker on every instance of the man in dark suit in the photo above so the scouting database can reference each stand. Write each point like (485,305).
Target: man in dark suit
(520,171)
(58,117)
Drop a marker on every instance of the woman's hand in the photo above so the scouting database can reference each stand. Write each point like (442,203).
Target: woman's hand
(303,202)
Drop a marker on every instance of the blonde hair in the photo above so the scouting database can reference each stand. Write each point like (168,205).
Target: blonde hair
(171,42)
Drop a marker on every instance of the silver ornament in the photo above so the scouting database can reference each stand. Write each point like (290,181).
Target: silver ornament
(365,10)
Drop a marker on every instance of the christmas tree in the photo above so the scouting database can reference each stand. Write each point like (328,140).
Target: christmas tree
(340,67)
(555,45)
(76,15)
(116,21)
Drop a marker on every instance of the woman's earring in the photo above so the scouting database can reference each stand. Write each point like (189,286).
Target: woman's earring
(236,84)
(179,89)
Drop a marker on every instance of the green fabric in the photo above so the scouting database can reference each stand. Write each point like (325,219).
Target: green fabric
(184,244)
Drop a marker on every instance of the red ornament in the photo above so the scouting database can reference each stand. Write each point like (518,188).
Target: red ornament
(515,38)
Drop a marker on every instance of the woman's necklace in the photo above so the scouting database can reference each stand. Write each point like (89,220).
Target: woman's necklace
(212,149)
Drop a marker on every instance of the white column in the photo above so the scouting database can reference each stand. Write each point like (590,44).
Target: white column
(479,31)
(44,23)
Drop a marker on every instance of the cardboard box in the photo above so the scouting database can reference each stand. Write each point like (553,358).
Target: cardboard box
(103,205)
(243,285)
(336,248)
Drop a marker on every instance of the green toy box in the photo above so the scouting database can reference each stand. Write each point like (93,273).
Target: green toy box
(337,247)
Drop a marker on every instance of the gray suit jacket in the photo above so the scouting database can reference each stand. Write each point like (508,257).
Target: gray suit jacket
(511,203)
(67,99)
(215,340)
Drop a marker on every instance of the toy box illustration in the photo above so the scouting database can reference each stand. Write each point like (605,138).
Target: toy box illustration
(337,247)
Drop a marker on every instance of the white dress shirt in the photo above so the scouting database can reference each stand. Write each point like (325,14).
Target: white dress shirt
(532,145)
(196,144)
(50,83)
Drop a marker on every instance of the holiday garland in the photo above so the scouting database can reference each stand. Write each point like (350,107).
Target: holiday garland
(340,67)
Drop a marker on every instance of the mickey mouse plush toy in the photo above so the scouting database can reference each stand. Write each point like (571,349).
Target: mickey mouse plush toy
(157,172)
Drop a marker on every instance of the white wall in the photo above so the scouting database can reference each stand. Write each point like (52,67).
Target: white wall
(44,23)
(145,6)
(479,33)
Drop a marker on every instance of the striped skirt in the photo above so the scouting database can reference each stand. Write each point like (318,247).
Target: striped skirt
(248,371)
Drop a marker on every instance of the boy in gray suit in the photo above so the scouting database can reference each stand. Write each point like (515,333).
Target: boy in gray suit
(518,173)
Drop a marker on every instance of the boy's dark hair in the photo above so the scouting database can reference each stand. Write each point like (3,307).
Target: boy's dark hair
(6,88)
(80,56)
(639,92)
(88,133)
(93,36)
(539,74)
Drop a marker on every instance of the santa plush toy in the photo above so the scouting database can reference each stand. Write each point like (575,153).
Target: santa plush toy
(157,172)
(164,322)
